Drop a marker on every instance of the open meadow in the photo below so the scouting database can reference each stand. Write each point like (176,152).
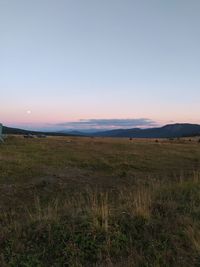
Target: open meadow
(77,201)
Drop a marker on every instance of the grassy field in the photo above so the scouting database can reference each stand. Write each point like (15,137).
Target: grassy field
(99,202)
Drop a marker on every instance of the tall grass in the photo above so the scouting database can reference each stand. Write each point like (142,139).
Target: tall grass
(131,226)
(131,208)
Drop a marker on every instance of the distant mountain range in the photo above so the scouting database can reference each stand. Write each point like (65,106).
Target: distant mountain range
(9,130)
(167,131)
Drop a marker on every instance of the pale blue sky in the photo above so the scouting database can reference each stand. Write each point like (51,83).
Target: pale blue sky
(65,60)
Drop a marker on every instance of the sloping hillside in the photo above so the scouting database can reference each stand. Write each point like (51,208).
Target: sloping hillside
(172,130)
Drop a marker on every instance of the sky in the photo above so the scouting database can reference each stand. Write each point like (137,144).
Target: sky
(99,64)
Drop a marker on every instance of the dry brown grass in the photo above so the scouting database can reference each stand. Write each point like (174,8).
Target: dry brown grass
(193,234)
(99,202)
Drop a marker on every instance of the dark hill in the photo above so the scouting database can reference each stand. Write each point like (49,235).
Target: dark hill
(9,130)
(168,131)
